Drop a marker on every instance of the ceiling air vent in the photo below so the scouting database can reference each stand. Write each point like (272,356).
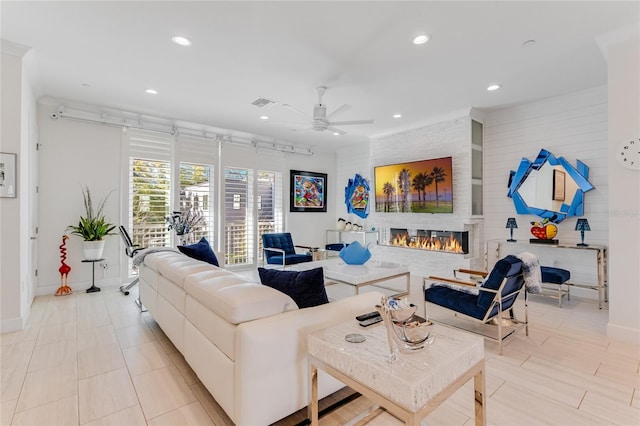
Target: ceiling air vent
(263,103)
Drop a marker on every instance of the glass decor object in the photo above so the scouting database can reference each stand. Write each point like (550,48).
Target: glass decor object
(511,223)
(582,225)
(549,187)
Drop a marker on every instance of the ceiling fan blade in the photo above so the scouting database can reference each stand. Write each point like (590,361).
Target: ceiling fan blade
(339,110)
(300,113)
(289,123)
(338,131)
(346,123)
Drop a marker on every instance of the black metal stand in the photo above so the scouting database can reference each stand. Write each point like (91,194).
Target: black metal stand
(93,287)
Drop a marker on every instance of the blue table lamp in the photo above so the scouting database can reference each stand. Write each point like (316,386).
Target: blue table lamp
(511,223)
(582,225)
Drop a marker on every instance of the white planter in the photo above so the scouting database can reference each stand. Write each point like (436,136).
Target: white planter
(93,249)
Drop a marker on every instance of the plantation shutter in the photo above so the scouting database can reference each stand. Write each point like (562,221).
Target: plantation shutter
(239,218)
(149,186)
(268,205)
(196,158)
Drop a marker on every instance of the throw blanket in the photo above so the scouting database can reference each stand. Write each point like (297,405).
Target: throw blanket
(139,257)
(531,271)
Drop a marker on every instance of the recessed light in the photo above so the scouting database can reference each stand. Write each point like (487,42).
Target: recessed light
(421,39)
(85,85)
(336,134)
(151,91)
(397,115)
(493,87)
(264,117)
(181,40)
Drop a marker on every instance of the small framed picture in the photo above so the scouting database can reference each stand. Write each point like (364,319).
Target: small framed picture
(7,175)
(308,192)
(558,185)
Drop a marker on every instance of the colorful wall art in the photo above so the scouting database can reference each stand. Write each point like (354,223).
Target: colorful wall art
(308,192)
(356,196)
(416,187)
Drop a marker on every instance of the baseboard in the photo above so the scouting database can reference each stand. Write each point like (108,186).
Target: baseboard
(13,324)
(620,332)
(49,290)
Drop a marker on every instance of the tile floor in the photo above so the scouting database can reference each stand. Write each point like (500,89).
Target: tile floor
(93,359)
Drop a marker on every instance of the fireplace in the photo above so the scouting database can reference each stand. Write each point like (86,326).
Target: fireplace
(426,239)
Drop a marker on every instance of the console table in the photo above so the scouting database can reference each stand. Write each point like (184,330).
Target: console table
(409,388)
(502,247)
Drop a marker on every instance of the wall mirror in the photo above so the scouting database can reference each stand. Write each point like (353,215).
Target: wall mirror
(549,187)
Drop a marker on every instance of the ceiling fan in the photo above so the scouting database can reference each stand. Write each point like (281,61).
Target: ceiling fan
(321,121)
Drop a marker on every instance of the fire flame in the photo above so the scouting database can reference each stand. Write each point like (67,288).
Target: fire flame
(450,244)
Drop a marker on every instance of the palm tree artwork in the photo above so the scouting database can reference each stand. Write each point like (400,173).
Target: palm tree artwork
(438,174)
(404,183)
(388,189)
(407,187)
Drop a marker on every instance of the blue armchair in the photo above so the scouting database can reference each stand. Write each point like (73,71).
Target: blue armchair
(496,295)
(279,250)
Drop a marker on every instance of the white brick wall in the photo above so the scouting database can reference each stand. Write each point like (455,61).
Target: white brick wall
(450,138)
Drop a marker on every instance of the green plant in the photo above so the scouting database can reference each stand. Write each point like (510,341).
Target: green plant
(93,226)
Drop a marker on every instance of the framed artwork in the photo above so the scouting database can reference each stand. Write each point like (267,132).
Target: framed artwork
(415,187)
(308,192)
(356,196)
(558,185)
(7,175)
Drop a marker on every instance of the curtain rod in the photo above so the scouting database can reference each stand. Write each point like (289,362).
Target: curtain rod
(138,123)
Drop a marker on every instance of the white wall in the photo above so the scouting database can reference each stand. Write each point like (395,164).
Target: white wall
(10,276)
(74,155)
(623,59)
(18,110)
(573,126)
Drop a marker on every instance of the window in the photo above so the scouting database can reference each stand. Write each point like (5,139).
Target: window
(195,196)
(150,184)
(154,192)
(238,230)
(243,217)
(269,205)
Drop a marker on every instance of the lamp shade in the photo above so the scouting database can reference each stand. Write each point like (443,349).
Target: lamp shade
(582,225)
(511,223)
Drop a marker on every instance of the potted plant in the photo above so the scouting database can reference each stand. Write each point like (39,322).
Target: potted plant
(92,227)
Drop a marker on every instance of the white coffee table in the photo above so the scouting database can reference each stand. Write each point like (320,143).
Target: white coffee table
(357,276)
(409,388)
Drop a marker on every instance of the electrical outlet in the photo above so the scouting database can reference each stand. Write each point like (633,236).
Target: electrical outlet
(105,265)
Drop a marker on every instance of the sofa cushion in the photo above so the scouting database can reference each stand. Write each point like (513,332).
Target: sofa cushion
(306,288)
(235,299)
(177,269)
(200,251)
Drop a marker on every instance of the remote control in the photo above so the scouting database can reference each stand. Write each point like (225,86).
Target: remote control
(371,321)
(367,316)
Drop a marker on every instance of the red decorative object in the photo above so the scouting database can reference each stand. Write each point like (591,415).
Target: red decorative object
(544,231)
(64,270)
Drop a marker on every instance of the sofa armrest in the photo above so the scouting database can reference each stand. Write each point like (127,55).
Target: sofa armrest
(274,350)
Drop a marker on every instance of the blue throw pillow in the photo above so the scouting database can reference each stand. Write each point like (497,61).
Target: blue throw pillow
(200,251)
(306,288)
(355,254)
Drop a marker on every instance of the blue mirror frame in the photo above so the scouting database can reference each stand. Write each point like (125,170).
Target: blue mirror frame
(573,207)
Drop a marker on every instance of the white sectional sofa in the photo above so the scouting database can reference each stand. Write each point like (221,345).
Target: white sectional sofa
(245,341)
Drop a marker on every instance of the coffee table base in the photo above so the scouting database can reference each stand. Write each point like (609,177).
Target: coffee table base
(410,417)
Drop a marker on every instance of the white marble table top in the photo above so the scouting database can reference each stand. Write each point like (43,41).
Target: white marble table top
(413,379)
(372,270)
